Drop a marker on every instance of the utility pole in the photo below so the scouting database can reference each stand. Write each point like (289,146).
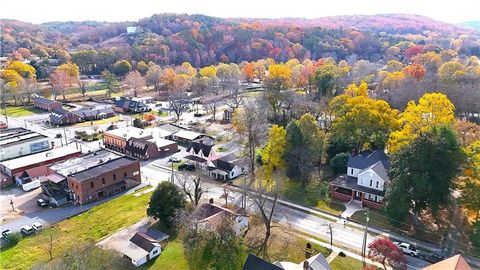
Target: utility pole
(364,245)
(330,231)
(173,179)
(244,195)
(65,134)
(11,203)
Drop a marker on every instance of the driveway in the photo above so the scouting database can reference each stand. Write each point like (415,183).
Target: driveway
(23,202)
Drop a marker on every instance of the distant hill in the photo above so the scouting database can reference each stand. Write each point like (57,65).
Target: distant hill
(204,40)
(473,24)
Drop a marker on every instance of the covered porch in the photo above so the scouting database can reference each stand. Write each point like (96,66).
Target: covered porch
(345,188)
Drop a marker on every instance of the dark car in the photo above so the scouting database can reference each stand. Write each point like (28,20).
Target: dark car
(43,203)
(6,233)
(433,257)
(186,167)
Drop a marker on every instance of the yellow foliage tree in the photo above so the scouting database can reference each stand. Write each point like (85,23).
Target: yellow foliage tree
(24,70)
(432,109)
(272,154)
(360,90)
(209,71)
(279,76)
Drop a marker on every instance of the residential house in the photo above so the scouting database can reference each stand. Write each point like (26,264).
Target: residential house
(209,216)
(317,262)
(46,104)
(99,174)
(200,154)
(456,262)
(90,114)
(366,179)
(144,100)
(256,263)
(124,105)
(60,117)
(225,168)
(142,248)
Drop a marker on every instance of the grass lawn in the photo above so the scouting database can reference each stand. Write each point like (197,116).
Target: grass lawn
(346,263)
(17,111)
(90,226)
(112,119)
(172,257)
(312,195)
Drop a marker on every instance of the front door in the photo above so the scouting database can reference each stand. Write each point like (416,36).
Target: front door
(358,196)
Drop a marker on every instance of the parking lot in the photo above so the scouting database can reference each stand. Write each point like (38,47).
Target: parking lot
(23,202)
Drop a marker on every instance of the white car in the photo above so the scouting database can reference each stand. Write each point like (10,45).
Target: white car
(27,230)
(37,226)
(407,248)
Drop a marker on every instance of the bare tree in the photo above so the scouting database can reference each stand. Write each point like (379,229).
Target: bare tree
(192,186)
(50,241)
(178,103)
(135,81)
(82,84)
(235,98)
(251,124)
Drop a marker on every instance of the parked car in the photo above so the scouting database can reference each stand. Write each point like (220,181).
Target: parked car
(42,203)
(174,159)
(27,230)
(433,257)
(186,167)
(37,226)
(407,248)
(6,233)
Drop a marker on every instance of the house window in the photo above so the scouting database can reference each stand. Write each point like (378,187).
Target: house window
(114,177)
(103,181)
(371,182)
(376,184)
(351,171)
(91,185)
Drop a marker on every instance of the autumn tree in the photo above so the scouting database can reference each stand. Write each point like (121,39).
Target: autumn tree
(86,60)
(368,122)
(142,68)
(154,76)
(432,109)
(111,82)
(422,172)
(59,81)
(26,71)
(470,183)
(383,250)
(415,71)
(272,153)
(121,67)
(135,81)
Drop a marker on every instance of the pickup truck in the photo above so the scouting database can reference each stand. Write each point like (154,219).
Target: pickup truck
(407,248)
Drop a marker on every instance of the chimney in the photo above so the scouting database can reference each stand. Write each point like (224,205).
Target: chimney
(306,265)
(210,200)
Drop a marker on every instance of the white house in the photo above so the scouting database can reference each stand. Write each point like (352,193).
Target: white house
(317,262)
(141,248)
(200,154)
(209,216)
(225,168)
(366,179)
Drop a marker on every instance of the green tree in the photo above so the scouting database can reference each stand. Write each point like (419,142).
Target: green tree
(142,68)
(296,155)
(121,67)
(111,82)
(339,163)
(338,144)
(86,60)
(166,200)
(423,172)
(313,137)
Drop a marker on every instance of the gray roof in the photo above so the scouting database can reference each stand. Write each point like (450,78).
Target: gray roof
(102,168)
(368,158)
(44,100)
(144,241)
(380,170)
(255,263)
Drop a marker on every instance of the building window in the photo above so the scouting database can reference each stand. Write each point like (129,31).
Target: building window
(125,175)
(376,184)
(351,171)
(114,177)
(371,182)
(103,181)
(91,185)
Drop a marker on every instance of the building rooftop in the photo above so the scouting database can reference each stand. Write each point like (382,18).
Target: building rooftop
(44,100)
(15,135)
(456,262)
(160,142)
(129,132)
(255,263)
(45,156)
(367,158)
(187,134)
(84,162)
(102,167)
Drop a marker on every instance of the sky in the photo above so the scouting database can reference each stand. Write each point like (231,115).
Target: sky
(40,11)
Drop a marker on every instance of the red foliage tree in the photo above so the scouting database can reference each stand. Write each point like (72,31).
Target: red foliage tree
(412,51)
(383,250)
(416,71)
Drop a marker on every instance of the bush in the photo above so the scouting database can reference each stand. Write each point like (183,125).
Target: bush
(12,240)
(137,123)
(339,163)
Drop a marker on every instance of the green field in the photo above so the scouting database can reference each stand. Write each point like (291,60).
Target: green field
(90,226)
(346,263)
(17,111)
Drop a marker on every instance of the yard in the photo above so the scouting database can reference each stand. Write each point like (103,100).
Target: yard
(90,226)
(173,257)
(314,195)
(17,111)
(346,263)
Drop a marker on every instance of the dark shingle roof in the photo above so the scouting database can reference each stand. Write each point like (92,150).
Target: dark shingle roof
(255,263)
(368,158)
(197,147)
(351,183)
(144,241)
(129,104)
(87,113)
(223,165)
(138,146)
(42,100)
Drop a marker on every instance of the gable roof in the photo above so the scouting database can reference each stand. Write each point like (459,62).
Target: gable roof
(42,100)
(129,104)
(317,262)
(199,147)
(255,263)
(456,262)
(223,165)
(144,241)
(86,113)
(368,158)
(137,145)
(379,169)
(187,135)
